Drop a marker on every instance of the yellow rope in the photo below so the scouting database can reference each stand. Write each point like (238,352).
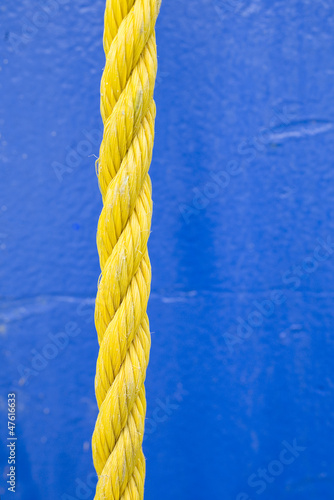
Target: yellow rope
(128,113)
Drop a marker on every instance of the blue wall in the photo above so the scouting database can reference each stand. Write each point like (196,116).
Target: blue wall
(242,248)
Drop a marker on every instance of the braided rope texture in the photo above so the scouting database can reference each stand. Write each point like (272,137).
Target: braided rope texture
(128,113)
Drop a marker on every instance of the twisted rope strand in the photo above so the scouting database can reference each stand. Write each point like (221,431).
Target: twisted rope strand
(128,113)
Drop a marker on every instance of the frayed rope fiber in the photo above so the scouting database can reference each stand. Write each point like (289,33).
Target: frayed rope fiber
(128,113)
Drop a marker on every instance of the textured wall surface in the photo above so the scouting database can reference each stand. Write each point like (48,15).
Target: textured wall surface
(241,377)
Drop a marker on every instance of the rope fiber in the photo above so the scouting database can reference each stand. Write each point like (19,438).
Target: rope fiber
(128,114)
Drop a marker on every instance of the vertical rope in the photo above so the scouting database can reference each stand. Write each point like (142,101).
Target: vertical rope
(128,113)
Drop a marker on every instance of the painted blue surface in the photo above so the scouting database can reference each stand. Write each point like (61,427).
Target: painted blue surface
(242,302)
